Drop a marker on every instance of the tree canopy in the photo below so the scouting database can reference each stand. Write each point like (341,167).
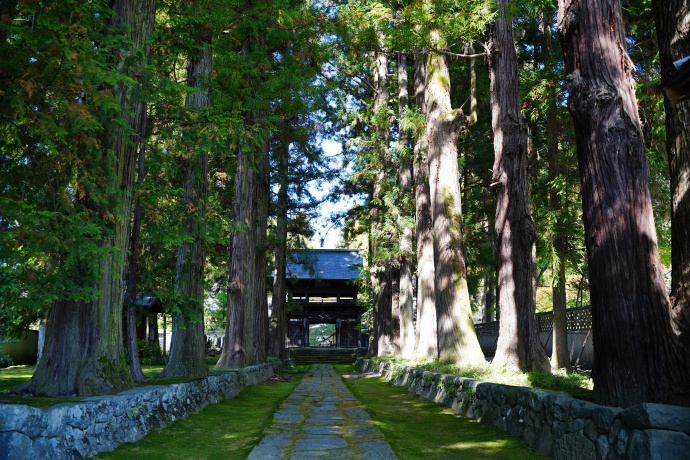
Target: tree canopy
(462,139)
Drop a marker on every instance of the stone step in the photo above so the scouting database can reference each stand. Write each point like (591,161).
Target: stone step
(323,355)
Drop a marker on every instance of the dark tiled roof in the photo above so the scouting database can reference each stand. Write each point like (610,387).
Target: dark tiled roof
(327,264)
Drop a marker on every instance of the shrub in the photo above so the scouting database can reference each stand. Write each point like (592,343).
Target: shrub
(150,353)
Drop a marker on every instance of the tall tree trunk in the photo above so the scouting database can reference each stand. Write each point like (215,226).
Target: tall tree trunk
(560,357)
(407,337)
(673,34)
(395,308)
(457,340)
(262,202)
(135,239)
(426,336)
(518,340)
(637,357)
(188,345)
(278,324)
(381,276)
(233,353)
(373,348)
(84,352)
(383,320)
(489,300)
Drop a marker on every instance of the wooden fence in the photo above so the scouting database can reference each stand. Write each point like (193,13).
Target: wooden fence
(579,326)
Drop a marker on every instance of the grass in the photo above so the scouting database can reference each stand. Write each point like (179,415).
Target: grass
(578,384)
(14,375)
(228,430)
(416,428)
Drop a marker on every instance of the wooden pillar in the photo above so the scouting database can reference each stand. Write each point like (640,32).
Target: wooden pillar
(306,332)
(338,329)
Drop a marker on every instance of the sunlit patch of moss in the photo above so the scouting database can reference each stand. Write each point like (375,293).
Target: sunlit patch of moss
(576,383)
(417,428)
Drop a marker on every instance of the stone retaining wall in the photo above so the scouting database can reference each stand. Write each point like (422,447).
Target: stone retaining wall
(101,423)
(554,423)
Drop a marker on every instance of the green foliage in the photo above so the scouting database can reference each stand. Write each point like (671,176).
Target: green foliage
(57,190)
(150,353)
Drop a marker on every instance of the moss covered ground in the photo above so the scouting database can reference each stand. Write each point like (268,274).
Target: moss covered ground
(578,384)
(14,375)
(227,430)
(417,428)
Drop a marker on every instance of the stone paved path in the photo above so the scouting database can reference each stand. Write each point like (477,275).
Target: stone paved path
(321,419)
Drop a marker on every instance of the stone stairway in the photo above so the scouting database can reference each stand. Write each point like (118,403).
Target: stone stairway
(323,355)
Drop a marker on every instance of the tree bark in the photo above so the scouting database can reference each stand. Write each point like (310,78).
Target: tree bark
(381,343)
(278,322)
(560,357)
(407,336)
(262,202)
(457,340)
(426,336)
(637,357)
(673,35)
(134,243)
(84,352)
(188,344)
(518,340)
(240,319)
(395,308)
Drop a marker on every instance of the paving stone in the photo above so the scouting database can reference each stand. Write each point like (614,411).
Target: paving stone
(288,415)
(321,419)
(321,429)
(325,407)
(265,452)
(323,442)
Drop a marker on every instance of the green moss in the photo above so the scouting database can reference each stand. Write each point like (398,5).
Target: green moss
(578,384)
(416,428)
(11,376)
(227,430)
(14,375)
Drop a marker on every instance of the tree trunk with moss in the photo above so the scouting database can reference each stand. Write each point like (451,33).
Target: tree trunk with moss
(457,340)
(518,344)
(426,339)
(637,356)
(188,344)
(83,354)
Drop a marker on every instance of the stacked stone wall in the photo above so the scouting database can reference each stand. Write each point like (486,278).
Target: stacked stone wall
(553,423)
(101,423)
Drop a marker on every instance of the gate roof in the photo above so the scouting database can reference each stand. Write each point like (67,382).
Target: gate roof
(325,264)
